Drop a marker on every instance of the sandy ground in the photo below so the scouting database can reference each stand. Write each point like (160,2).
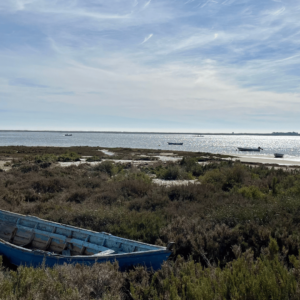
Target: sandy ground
(163,158)
(107,152)
(168,183)
(125,161)
(168,158)
(269,159)
(167,154)
(2,165)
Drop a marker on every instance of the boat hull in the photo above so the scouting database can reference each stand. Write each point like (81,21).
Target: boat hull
(249,149)
(180,144)
(20,256)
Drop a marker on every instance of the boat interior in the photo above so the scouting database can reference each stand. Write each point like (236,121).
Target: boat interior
(37,234)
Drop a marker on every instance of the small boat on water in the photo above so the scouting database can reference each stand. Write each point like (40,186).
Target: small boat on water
(278,155)
(250,149)
(28,240)
(175,143)
(68,134)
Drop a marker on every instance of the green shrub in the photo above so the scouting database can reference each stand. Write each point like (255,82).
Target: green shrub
(137,176)
(244,278)
(173,172)
(107,167)
(69,157)
(251,192)
(101,281)
(214,176)
(45,158)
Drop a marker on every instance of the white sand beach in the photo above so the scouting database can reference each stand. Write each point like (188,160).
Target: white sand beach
(269,159)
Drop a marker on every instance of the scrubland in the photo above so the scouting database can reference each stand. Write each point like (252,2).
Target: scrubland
(236,233)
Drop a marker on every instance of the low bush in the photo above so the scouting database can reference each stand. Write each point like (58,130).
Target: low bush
(48,185)
(93,158)
(244,278)
(252,192)
(78,196)
(107,167)
(28,168)
(146,158)
(68,157)
(45,158)
(214,177)
(101,281)
(173,172)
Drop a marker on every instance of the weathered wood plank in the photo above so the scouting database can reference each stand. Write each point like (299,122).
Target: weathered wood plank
(83,248)
(49,240)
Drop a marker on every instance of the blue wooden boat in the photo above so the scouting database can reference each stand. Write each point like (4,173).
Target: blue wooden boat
(31,241)
(175,143)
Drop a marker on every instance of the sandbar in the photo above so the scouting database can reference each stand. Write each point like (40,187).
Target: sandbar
(269,159)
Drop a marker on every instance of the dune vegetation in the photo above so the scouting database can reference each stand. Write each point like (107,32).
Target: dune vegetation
(236,229)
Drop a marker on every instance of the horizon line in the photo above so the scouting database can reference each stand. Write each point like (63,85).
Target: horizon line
(154,132)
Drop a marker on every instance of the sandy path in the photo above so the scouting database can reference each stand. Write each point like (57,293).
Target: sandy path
(169,183)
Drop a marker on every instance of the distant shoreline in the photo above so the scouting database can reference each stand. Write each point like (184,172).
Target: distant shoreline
(149,132)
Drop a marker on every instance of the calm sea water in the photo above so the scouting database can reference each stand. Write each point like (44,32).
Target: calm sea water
(223,144)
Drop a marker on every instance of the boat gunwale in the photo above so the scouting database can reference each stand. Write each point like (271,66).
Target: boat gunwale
(85,231)
(84,257)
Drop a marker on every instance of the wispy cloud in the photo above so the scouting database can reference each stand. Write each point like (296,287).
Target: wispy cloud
(147,4)
(147,38)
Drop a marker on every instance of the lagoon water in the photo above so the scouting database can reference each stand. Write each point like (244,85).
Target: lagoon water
(223,144)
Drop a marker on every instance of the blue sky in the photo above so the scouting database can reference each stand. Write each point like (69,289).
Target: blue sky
(149,65)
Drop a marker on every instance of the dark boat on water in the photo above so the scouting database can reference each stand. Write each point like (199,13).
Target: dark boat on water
(250,149)
(28,240)
(175,144)
(278,155)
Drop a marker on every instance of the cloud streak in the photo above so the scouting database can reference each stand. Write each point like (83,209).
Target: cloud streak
(147,38)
